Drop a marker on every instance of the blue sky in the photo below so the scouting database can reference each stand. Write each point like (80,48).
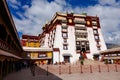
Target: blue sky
(30,15)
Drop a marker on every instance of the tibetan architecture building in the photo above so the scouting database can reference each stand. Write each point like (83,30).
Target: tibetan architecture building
(75,35)
(31,46)
(11,51)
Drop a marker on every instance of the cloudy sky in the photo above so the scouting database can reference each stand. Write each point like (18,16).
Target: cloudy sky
(30,15)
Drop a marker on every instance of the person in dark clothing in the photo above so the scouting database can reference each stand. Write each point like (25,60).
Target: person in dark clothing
(32,68)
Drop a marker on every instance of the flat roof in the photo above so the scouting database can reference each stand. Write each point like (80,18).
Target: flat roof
(113,50)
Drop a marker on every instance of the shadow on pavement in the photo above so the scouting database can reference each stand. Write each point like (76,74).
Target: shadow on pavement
(25,74)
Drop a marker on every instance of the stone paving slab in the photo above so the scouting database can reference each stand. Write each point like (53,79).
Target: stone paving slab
(25,74)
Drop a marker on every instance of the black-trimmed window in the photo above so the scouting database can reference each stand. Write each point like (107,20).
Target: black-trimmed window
(77,42)
(65,47)
(78,47)
(95,31)
(98,48)
(96,37)
(64,34)
(82,43)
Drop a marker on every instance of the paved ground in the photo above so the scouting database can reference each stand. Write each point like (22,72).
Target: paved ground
(25,74)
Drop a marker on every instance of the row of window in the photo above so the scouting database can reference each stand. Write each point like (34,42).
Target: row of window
(96,36)
(81,32)
(64,35)
(51,38)
(80,45)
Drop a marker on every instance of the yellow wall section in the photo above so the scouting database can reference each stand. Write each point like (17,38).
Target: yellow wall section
(49,54)
(33,44)
(37,44)
(34,55)
(26,44)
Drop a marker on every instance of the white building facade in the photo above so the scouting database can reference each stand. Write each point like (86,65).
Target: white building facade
(74,35)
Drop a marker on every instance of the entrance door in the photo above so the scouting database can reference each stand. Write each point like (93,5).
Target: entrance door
(67,59)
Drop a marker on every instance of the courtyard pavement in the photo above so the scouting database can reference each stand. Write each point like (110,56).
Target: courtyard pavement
(41,74)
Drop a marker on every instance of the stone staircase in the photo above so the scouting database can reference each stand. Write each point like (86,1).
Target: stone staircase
(91,62)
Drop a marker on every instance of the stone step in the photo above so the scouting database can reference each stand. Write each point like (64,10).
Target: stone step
(90,62)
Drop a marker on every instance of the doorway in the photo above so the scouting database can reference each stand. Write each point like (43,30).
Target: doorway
(66,59)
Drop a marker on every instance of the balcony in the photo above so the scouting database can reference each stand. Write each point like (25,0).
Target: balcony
(7,47)
(81,39)
(80,32)
(80,27)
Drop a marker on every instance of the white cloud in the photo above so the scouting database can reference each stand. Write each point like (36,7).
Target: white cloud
(36,15)
(110,2)
(41,11)
(109,19)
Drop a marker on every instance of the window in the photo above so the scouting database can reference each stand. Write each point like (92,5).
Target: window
(65,47)
(96,37)
(42,55)
(64,34)
(97,42)
(77,43)
(98,48)
(28,54)
(83,43)
(87,47)
(94,23)
(118,54)
(78,47)
(87,43)
(64,30)
(95,31)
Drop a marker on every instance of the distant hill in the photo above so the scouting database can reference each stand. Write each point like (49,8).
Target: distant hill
(111,45)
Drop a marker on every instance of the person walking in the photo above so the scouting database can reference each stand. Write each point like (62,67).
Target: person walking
(32,67)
